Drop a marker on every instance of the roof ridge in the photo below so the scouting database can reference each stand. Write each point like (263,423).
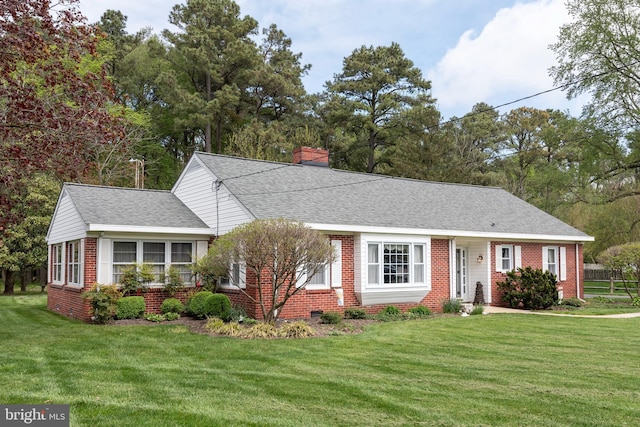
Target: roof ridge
(113,187)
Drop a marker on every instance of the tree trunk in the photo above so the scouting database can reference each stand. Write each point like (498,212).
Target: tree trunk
(8,283)
(207,128)
(24,280)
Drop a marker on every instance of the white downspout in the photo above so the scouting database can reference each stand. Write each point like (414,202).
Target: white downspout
(577,271)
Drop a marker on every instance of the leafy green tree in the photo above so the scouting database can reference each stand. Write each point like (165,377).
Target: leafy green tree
(212,56)
(23,246)
(379,98)
(625,261)
(598,54)
(280,255)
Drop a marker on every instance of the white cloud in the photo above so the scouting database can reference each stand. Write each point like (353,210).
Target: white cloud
(508,59)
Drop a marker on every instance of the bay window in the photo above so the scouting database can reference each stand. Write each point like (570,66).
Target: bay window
(391,263)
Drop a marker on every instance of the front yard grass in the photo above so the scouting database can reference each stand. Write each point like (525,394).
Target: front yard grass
(494,370)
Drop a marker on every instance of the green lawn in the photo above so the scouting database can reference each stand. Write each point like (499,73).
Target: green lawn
(496,370)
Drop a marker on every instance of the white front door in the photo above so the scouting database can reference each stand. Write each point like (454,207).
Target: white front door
(462,274)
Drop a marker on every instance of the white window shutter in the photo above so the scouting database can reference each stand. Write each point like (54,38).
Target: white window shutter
(336,266)
(498,258)
(202,246)
(105,254)
(563,263)
(545,258)
(517,257)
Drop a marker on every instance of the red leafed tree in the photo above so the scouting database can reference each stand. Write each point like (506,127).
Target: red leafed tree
(56,103)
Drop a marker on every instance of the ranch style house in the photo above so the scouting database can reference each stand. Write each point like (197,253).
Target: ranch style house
(398,241)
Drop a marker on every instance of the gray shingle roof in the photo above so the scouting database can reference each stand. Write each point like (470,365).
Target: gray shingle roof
(315,194)
(127,206)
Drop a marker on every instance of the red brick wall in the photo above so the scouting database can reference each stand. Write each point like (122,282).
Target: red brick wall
(532,256)
(440,275)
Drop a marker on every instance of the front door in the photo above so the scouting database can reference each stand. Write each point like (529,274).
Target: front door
(462,285)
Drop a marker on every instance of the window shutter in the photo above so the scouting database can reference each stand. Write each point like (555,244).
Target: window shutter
(336,266)
(563,263)
(202,246)
(105,253)
(517,257)
(545,258)
(498,258)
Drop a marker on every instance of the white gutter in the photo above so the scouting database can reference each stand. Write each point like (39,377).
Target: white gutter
(149,229)
(448,233)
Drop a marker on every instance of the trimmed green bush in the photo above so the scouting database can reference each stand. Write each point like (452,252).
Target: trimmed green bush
(218,305)
(529,289)
(172,305)
(331,317)
(355,313)
(198,304)
(103,300)
(451,306)
(419,311)
(130,307)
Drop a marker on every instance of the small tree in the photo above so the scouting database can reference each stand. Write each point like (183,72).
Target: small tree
(625,261)
(530,289)
(281,256)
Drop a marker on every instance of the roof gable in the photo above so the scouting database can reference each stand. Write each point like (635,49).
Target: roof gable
(329,196)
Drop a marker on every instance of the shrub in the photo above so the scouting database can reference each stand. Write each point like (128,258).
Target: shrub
(299,329)
(530,289)
(572,302)
(451,306)
(213,324)
(635,302)
(477,309)
(198,306)
(154,317)
(231,329)
(331,317)
(238,314)
(419,311)
(103,300)
(172,305)
(390,313)
(130,307)
(355,313)
(171,316)
(173,282)
(218,305)
(260,330)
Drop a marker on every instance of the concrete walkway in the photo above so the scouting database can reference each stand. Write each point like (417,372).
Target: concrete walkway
(498,310)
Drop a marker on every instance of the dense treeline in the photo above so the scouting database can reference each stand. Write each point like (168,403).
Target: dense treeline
(222,83)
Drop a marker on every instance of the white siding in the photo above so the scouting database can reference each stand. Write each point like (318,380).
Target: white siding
(66,224)
(214,204)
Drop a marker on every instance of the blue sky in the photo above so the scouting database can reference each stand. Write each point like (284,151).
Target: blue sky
(493,51)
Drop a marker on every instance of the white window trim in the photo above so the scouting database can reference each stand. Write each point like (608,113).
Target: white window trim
(391,240)
(515,258)
(58,249)
(140,251)
(319,286)
(80,262)
(242,268)
(560,261)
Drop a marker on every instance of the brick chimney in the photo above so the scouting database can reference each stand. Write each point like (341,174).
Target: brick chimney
(311,156)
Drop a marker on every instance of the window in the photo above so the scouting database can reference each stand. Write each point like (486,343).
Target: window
(56,260)
(319,280)
(237,277)
(181,259)
(550,259)
(401,263)
(507,258)
(124,256)
(155,254)
(73,263)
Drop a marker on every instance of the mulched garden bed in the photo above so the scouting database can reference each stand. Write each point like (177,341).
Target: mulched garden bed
(347,327)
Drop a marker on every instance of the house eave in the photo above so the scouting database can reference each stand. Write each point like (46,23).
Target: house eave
(95,228)
(344,228)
